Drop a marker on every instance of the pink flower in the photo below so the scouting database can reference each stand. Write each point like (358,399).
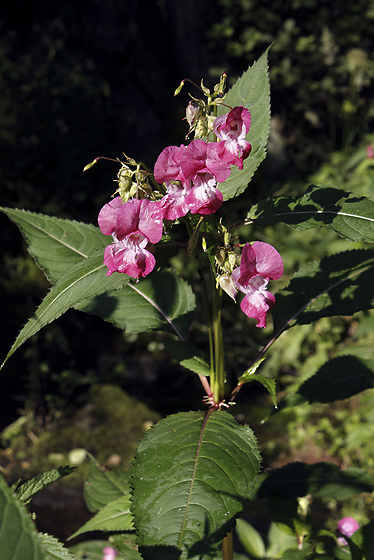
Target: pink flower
(190,174)
(260,262)
(109,553)
(205,157)
(231,129)
(132,225)
(370,151)
(347,526)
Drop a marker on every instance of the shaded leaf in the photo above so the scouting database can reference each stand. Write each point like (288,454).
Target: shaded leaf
(330,207)
(160,301)
(115,516)
(89,550)
(363,540)
(191,476)
(85,279)
(25,492)
(18,536)
(338,379)
(250,539)
(103,486)
(252,90)
(337,285)
(321,480)
(56,244)
(188,356)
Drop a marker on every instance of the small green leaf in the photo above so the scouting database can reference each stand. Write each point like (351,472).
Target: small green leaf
(115,516)
(188,356)
(250,539)
(252,91)
(190,478)
(54,548)
(338,379)
(363,540)
(18,537)
(56,244)
(86,279)
(321,480)
(330,207)
(103,486)
(25,492)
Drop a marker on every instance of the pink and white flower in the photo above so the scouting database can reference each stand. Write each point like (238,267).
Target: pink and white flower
(231,129)
(133,225)
(260,263)
(109,553)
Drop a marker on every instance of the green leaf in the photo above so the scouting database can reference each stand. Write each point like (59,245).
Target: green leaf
(161,301)
(191,476)
(86,279)
(56,244)
(268,382)
(103,486)
(363,538)
(337,285)
(115,516)
(252,91)
(18,537)
(330,207)
(321,480)
(188,356)
(250,539)
(338,379)
(25,492)
(54,548)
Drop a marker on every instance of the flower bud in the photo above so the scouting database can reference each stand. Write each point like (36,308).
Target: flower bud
(347,526)
(192,113)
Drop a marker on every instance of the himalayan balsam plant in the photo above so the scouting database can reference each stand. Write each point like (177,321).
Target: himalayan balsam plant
(194,471)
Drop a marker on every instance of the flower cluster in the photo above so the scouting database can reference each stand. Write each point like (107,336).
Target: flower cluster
(190,175)
(260,262)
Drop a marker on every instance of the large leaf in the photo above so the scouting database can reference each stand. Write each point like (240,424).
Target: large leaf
(337,285)
(252,91)
(330,207)
(321,480)
(26,491)
(339,378)
(160,301)
(86,279)
(191,476)
(115,516)
(18,537)
(103,486)
(56,244)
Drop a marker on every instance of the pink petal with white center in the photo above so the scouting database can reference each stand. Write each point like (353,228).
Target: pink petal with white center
(174,202)
(140,216)
(233,125)
(108,216)
(203,197)
(257,301)
(130,257)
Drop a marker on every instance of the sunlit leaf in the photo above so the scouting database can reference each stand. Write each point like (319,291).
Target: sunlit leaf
(252,91)
(191,476)
(115,516)
(86,279)
(26,491)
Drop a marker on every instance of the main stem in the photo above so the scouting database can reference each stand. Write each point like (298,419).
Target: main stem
(218,381)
